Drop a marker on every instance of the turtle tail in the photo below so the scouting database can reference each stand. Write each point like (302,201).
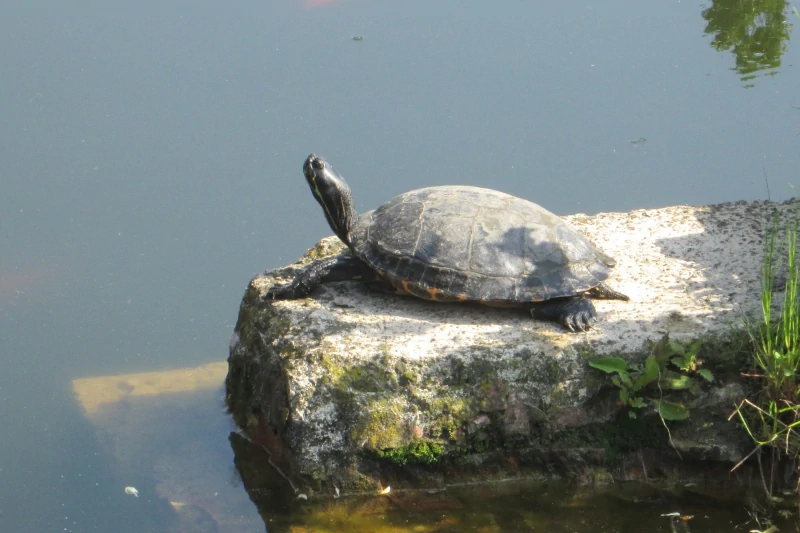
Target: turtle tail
(604,292)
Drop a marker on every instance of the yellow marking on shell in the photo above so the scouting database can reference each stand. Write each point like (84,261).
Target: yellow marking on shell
(434,293)
(405,287)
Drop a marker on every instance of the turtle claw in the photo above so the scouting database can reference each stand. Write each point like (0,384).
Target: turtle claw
(287,291)
(575,314)
(276,292)
(580,321)
(271,294)
(573,323)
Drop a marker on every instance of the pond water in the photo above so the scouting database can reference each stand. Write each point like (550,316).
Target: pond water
(151,165)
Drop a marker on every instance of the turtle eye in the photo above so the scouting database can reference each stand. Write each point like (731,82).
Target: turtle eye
(318,164)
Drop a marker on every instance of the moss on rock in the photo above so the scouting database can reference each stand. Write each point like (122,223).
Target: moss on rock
(418,452)
(383,424)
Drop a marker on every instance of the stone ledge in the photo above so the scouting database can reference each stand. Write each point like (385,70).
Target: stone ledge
(331,383)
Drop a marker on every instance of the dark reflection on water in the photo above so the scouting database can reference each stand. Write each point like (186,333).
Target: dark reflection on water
(755,31)
(510,506)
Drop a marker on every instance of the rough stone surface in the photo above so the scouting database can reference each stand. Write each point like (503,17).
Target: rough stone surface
(339,385)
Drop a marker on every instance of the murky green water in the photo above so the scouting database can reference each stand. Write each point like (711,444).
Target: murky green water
(517,507)
(513,509)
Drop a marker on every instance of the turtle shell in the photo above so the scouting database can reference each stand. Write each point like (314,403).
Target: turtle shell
(469,243)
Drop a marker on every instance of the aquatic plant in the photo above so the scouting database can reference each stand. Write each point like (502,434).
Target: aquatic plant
(772,416)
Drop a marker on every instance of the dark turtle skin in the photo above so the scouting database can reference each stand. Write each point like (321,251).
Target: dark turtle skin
(459,243)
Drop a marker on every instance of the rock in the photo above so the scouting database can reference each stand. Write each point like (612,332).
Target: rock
(353,389)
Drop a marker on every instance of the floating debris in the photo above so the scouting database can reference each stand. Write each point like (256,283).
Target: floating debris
(301,497)
(132,491)
(637,142)
(336,493)
(386,490)
(358,38)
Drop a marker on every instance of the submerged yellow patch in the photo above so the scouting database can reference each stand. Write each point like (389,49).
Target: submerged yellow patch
(94,392)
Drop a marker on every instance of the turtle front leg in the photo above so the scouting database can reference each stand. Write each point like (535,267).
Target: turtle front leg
(575,313)
(326,270)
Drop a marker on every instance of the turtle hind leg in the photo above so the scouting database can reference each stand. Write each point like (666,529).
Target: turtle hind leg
(575,313)
(604,292)
(326,270)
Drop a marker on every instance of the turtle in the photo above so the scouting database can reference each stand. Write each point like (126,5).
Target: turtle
(458,243)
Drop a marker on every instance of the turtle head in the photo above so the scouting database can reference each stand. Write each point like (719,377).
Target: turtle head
(333,194)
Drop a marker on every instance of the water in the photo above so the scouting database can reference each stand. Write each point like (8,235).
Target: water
(551,509)
(151,162)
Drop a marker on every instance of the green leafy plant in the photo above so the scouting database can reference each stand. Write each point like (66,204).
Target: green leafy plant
(687,361)
(670,366)
(629,379)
